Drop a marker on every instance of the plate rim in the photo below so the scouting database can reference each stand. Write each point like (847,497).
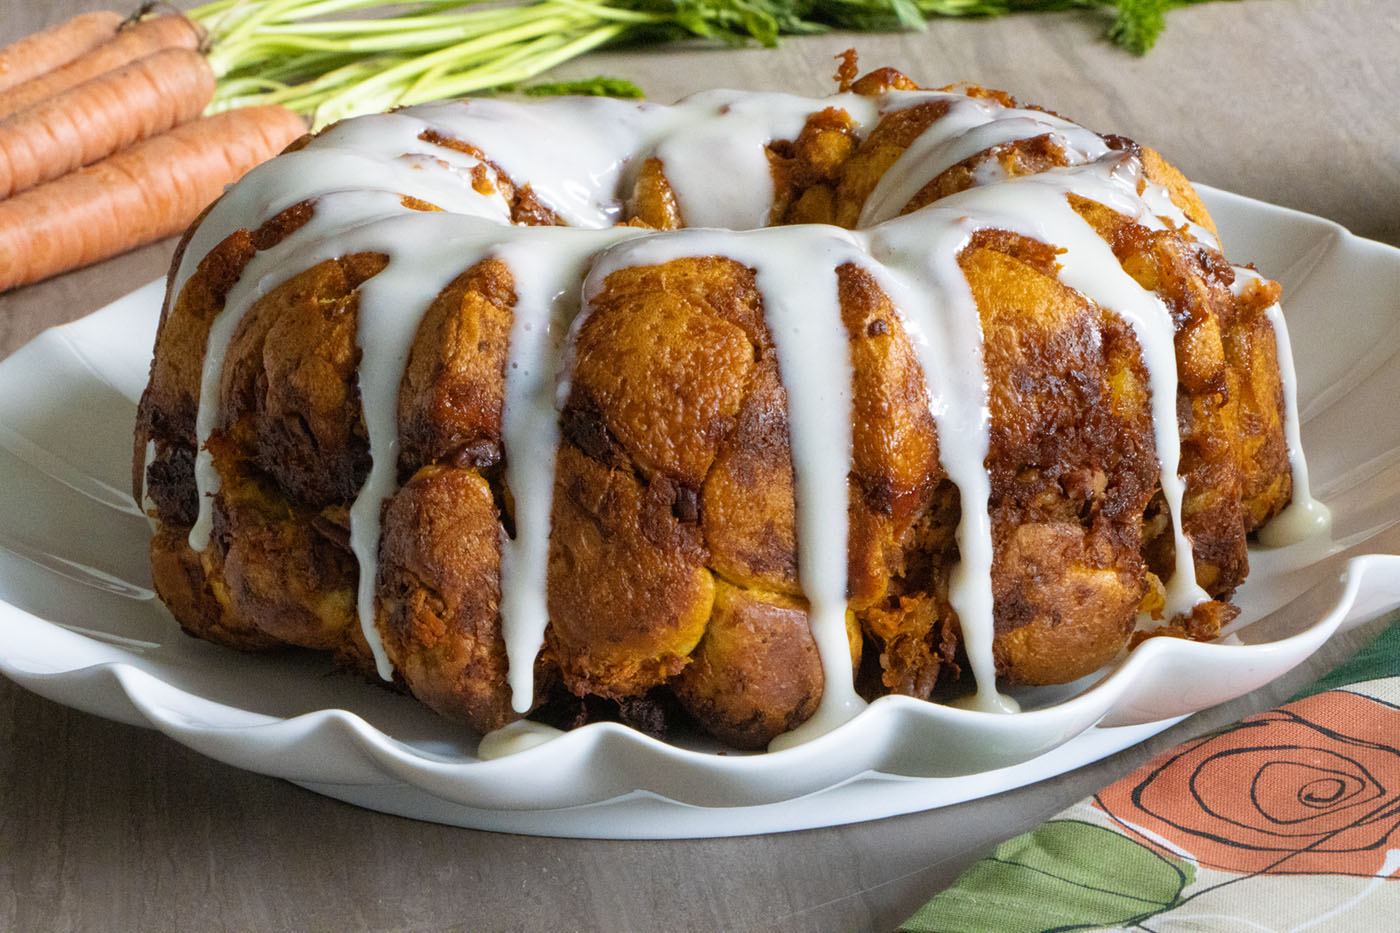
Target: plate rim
(385,755)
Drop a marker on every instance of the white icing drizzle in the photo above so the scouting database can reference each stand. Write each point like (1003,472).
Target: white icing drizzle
(796,276)
(315,242)
(546,269)
(426,251)
(795,272)
(970,126)
(390,307)
(1160,203)
(735,139)
(1036,206)
(581,150)
(1304,517)
(580,158)
(941,319)
(515,738)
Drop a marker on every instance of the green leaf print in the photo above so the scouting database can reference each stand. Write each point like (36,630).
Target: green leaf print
(1066,875)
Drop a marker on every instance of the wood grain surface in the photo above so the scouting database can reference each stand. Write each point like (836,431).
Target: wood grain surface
(110,827)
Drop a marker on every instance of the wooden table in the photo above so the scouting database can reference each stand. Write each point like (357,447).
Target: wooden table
(105,826)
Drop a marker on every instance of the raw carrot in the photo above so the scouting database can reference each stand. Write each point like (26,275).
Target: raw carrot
(131,42)
(57,45)
(99,117)
(153,189)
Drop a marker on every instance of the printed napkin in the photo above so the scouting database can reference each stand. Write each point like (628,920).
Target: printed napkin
(1289,820)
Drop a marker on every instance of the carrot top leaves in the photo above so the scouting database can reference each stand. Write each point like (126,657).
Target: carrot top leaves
(599,86)
(322,58)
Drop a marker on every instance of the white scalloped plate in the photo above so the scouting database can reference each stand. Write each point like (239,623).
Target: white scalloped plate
(79,624)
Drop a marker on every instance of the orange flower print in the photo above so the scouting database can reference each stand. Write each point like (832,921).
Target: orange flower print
(1280,793)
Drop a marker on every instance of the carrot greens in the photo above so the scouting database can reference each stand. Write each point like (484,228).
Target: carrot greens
(334,58)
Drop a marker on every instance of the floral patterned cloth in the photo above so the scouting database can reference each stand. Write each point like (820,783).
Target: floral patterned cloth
(1289,820)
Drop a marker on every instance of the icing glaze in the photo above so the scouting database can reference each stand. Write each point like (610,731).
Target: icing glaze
(580,159)
(1304,517)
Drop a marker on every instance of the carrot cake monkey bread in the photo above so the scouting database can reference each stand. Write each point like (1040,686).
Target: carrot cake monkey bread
(745,410)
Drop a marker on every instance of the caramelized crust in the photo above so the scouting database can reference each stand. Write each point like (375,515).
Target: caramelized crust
(1072,467)
(453,389)
(618,633)
(886,143)
(439,592)
(756,673)
(653,202)
(288,394)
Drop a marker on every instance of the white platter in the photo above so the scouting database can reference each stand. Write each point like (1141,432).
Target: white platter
(79,624)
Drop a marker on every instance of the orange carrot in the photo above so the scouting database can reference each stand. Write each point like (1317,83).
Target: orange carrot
(57,45)
(153,189)
(98,117)
(130,43)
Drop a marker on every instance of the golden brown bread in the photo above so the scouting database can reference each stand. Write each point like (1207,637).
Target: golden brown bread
(673,552)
